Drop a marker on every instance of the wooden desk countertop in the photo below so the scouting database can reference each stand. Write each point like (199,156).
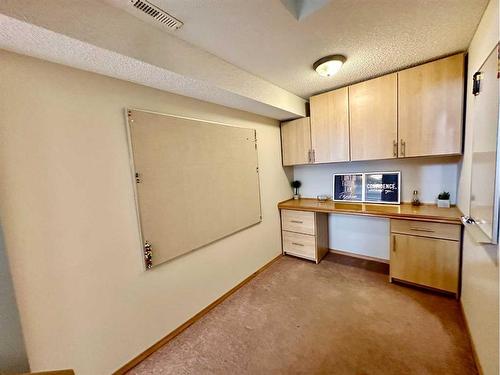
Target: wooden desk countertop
(425,212)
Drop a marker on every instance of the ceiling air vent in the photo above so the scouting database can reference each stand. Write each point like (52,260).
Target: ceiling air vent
(157,13)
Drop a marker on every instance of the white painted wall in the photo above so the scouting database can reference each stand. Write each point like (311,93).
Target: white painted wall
(68,215)
(366,235)
(360,234)
(427,175)
(480,276)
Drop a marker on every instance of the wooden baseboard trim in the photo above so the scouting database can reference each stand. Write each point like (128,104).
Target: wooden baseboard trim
(359,256)
(141,357)
(56,372)
(474,352)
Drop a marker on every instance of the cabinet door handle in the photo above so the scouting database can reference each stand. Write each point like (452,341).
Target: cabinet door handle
(297,244)
(422,230)
(394,243)
(297,221)
(394,148)
(309,156)
(313,156)
(403,148)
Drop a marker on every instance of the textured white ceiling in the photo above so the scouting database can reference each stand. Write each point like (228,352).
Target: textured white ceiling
(248,54)
(377,36)
(91,35)
(25,38)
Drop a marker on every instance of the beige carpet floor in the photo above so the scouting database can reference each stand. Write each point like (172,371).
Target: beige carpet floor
(339,317)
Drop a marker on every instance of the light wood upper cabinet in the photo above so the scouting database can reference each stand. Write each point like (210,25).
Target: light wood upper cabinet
(373,118)
(296,141)
(330,126)
(431,108)
(415,112)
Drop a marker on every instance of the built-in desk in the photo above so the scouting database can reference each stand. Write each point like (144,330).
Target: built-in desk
(425,241)
(404,211)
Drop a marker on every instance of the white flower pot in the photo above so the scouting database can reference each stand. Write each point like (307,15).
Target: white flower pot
(443,203)
(296,196)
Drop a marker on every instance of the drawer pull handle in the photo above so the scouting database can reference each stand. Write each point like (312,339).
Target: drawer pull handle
(297,221)
(297,244)
(422,230)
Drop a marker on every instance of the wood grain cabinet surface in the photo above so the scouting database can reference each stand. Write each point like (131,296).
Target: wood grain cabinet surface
(298,221)
(430,108)
(296,141)
(330,126)
(426,254)
(305,234)
(373,118)
(414,112)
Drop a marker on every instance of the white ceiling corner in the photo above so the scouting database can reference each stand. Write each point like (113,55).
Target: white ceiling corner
(106,40)
(303,8)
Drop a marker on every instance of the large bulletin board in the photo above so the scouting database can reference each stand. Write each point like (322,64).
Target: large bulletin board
(195,182)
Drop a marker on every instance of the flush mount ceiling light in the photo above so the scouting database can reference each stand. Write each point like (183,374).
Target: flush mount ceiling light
(329,65)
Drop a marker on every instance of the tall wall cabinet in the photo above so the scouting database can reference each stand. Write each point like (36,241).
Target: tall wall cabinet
(330,126)
(430,108)
(374,121)
(414,112)
(296,141)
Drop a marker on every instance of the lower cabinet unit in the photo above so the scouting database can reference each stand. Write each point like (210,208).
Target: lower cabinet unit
(305,234)
(426,254)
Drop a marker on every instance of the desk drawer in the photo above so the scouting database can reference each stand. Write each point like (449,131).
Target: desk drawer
(426,229)
(298,221)
(302,245)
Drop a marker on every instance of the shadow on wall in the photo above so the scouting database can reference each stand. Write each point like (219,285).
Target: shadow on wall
(13,357)
(492,252)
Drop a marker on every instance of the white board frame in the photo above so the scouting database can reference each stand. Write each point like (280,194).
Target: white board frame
(134,184)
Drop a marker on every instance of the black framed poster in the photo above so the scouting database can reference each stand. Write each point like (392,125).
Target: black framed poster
(382,187)
(348,187)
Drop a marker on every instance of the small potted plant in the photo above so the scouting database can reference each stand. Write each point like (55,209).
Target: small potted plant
(296,185)
(444,200)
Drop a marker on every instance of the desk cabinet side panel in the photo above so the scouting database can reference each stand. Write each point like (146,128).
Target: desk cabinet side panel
(322,237)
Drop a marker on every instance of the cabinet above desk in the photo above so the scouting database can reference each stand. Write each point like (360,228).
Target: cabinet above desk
(403,211)
(411,113)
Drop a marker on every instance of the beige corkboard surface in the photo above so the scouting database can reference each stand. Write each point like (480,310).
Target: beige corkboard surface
(198,181)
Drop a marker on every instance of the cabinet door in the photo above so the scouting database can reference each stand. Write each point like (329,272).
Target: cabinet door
(296,141)
(425,261)
(330,126)
(373,114)
(431,108)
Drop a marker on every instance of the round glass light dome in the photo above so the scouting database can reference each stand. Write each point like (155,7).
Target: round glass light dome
(329,65)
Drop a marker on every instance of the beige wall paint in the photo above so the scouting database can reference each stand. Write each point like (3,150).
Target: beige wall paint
(68,214)
(480,290)
(13,357)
